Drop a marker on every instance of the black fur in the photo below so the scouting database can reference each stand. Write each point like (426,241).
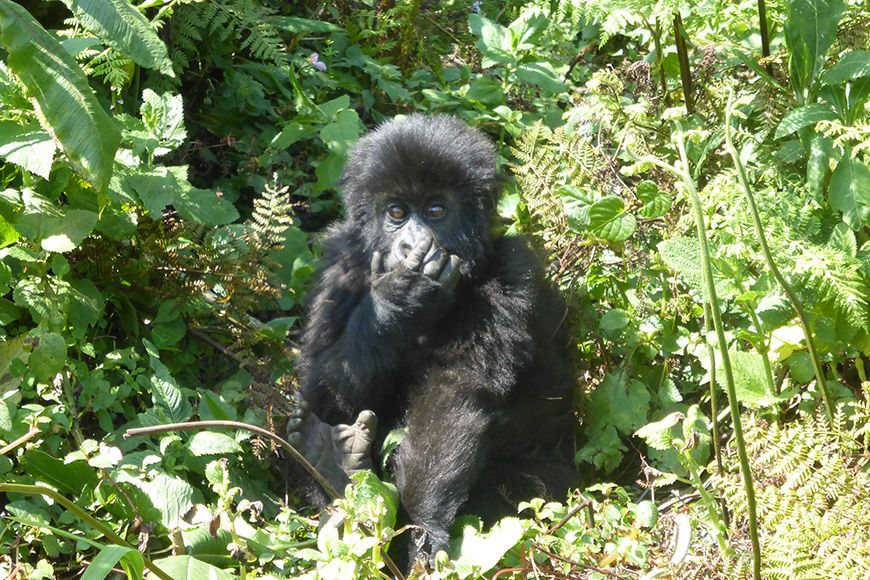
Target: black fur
(478,375)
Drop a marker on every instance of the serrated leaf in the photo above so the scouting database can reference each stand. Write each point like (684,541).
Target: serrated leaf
(853,65)
(49,356)
(750,378)
(656,202)
(68,232)
(167,395)
(850,192)
(805,116)
(211,443)
(28,148)
(163,117)
(67,105)
(123,27)
(481,552)
(609,221)
(576,203)
(8,234)
(493,40)
(69,478)
(658,433)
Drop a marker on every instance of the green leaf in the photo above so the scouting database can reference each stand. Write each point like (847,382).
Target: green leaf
(167,395)
(69,478)
(614,319)
(49,356)
(68,232)
(750,380)
(493,40)
(485,90)
(368,489)
(620,403)
(853,65)
(87,304)
(528,27)
(805,116)
(542,75)
(609,221)
(27,147)
(478,552)
(340,135)
(8,234)
(658,434)
(204,206)
(850,192)
(163,117)
(123,27)
(682,255)
(188,568)
(810,29)
(157,187)
(656,202)
(211,443)
(576,203)
(67,106)
(106,559)
(295,25)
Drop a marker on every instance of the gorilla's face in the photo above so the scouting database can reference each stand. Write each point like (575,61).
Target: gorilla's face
(422,179)
(408,225)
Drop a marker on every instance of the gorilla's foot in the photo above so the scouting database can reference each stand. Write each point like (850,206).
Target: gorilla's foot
(336,451)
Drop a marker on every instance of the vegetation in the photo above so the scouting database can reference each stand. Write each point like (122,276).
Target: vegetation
(697,174)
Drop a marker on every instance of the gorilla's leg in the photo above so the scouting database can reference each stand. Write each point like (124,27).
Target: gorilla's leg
(336,451)
(439,461)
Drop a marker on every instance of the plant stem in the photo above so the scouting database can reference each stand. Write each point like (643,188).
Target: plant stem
(201,425)
(683,56)
(765,35)
(707,274)
(768,257)
(82,515)
(714,396)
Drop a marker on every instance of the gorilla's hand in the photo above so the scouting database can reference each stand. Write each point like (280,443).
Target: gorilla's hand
(420,287)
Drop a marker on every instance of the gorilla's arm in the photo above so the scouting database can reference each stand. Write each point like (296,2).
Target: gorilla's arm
(451,423)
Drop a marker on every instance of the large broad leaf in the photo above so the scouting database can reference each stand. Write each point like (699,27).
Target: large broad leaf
(810,29)
(493,40)
(805,116)
(850,192)
(609,221)
(542,75)
(28,147)
(853,65)
(121,26)
(187,568)
(103,563)
(69,109)
(656,202)
(69,478)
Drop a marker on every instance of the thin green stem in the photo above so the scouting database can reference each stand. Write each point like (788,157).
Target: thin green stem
(714,396)
(83,516)
(768,257)
(707,271)
(685,68)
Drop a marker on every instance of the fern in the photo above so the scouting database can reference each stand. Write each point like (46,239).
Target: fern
(243,22)
(813,497)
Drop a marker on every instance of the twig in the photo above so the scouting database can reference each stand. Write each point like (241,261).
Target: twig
(576,563)
(20,441)
(201,425)
(570,515)
(82,515)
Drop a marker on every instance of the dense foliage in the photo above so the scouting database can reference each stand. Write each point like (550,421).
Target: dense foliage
(696,172)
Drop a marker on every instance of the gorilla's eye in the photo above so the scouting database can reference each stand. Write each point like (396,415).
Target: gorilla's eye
(397,211)
(436,211)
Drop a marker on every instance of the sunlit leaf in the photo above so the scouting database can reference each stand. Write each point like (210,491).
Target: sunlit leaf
(67,105)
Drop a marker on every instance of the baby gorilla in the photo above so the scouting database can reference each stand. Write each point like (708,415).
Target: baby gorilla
(425,319)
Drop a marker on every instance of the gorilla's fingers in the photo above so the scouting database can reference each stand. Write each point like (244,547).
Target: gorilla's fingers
(415,257)
(449,276)
(436,263)
(377,264)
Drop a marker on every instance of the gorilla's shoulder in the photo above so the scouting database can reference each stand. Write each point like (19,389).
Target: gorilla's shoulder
(517,259)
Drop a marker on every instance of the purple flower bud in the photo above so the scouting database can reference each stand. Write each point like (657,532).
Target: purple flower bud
(315,61)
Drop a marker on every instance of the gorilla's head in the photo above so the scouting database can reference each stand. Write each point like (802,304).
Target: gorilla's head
(423,176)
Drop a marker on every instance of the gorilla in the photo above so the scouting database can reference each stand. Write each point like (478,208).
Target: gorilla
(421,318)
